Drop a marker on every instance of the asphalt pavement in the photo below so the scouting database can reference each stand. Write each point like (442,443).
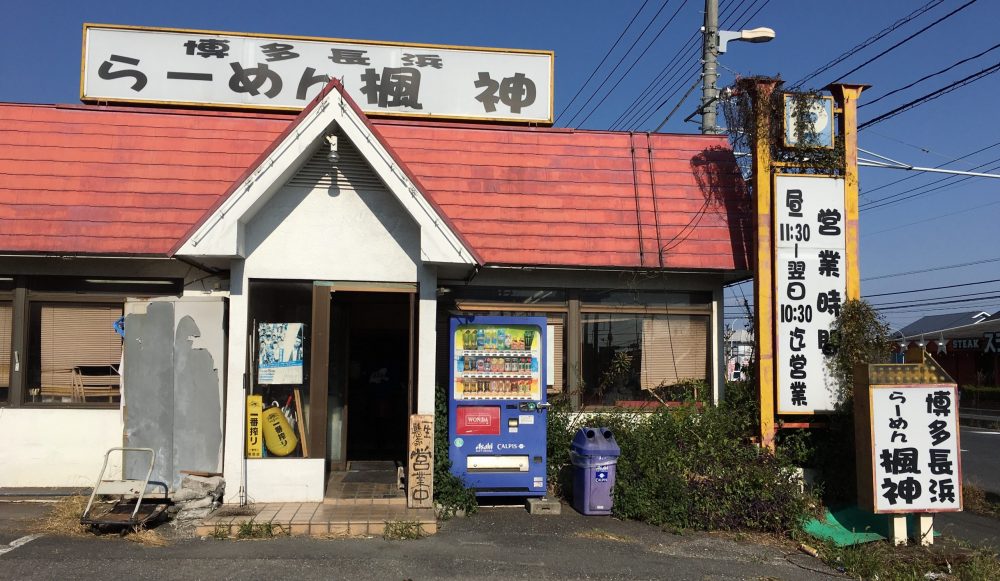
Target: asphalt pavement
(981,458)
(497,543)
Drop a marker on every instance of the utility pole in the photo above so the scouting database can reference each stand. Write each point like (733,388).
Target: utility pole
(709,57)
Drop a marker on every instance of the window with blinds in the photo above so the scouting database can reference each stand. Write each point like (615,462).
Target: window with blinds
(75,353)
(627,354)
(6,317)
(674,348)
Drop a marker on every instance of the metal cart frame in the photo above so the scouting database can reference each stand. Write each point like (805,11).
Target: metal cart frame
(128,490)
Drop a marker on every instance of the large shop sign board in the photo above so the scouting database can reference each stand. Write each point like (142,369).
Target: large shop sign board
(226,69)
(909,457)
(810,262)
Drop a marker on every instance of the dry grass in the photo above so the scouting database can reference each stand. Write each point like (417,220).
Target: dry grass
(147,538)
(977,500)
(63,518)
(602,535)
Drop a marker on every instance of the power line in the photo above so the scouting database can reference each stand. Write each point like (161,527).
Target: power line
(932,218)
(893,308)
(934,269)
(920,290)
(638,112)
(867,42)
(915,191)
(603,60)
(738,25)
(932,75)
(618,64)
(934,300)
(905,40)
(644,99)
(911,176)
(635,62)
(886,201)
(983,306)
(932,95)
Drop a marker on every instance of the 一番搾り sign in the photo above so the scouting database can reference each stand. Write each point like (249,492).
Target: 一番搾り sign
(223,69)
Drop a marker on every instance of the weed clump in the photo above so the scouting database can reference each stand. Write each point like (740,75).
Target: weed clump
(695,467)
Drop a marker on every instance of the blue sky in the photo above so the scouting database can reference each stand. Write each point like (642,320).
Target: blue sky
(955,223)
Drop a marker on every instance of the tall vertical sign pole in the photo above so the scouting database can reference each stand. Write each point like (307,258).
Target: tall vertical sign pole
(847,99)
(763,282)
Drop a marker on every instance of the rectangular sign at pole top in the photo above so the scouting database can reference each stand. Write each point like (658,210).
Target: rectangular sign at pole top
(810,266)
(226,69)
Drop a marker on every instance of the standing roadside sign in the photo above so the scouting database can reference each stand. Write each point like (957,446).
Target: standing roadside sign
(907,438)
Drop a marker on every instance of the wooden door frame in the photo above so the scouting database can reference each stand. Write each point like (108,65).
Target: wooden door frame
(322,298)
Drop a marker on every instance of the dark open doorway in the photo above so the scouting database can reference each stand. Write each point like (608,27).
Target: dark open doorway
(370,376)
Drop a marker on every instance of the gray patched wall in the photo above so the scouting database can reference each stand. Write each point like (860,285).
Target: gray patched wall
(174,349)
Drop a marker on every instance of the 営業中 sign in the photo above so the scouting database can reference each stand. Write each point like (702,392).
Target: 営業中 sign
(915,450)
(420,467)
(241,70)
(810,266)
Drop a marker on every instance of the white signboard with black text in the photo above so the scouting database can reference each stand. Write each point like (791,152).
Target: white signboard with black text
(232,69)
(917,467)
(810,274)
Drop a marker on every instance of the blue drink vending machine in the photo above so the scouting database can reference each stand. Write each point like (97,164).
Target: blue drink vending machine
(496,397)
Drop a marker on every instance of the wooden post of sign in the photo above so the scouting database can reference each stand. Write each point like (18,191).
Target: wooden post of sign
(897,529)
(925,529)
(763,258)
(846,96)
(420,462)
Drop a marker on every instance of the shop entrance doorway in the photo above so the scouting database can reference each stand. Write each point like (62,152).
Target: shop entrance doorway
(369,375)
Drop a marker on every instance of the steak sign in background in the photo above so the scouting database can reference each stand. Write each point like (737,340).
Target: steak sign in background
(224,69)
(810,268)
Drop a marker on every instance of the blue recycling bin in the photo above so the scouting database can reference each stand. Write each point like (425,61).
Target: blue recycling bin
(594,454)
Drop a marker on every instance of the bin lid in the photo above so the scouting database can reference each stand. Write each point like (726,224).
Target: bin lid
(595,442)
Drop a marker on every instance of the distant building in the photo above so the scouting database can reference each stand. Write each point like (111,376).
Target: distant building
(966,344)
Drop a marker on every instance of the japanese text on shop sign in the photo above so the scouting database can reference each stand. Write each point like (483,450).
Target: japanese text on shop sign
(811,273)
(915,446)
(420,468)
(255,441)
(231,69)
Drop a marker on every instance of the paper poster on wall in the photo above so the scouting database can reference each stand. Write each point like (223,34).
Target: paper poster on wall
(279,360)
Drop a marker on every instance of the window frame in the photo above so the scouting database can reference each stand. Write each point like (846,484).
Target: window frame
(27,290)
(576,305)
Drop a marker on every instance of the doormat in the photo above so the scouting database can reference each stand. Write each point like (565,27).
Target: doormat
(371,476)
(369,465)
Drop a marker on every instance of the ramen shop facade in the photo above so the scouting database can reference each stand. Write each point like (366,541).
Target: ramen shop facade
(301,269)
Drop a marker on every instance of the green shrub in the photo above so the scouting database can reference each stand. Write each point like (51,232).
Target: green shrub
(692,467)
(559,433)
(450,493)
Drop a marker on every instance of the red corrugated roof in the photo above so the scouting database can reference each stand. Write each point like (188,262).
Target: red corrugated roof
(89,180)
(557,197)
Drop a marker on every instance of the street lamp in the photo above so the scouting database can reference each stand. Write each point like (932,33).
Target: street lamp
(754,35)
(715,43)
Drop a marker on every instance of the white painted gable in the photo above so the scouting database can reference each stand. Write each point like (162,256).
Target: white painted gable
(225,233)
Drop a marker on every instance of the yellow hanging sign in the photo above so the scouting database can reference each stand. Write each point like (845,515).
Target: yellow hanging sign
(255,440)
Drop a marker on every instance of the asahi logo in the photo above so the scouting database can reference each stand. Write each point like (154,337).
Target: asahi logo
(481,447)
